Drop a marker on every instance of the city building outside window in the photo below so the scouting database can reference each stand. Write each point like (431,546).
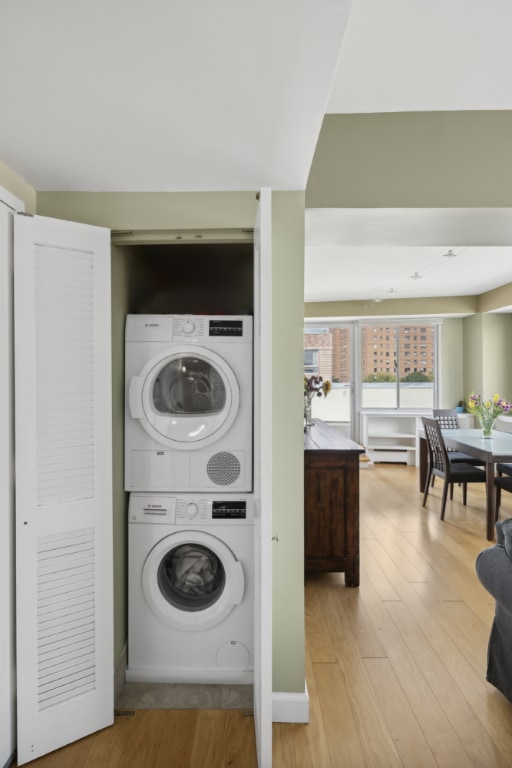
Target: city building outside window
(402,385)
(370,366)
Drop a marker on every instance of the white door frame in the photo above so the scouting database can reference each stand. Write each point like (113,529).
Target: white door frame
(9,205)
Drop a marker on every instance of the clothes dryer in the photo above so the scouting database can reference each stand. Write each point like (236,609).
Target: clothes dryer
(190,589)
(189,403)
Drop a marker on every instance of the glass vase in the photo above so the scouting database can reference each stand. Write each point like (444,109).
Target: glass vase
(487,424)
(308,421)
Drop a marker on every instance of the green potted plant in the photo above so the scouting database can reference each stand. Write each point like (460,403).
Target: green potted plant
(460,406)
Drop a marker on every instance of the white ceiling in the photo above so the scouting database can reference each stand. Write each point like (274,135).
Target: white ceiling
(427,55)
(371,255)
(181,95)
(165,95)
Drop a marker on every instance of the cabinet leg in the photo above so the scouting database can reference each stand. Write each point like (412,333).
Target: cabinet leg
(352,574)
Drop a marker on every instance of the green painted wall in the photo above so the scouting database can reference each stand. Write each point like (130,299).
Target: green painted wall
(18,187)
(288,440)
(412,159)
(487,365)
(451,360)
(152,210)
(457,305)
(496,335)
(120,288)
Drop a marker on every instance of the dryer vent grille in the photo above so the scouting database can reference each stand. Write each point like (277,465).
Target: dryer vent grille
(223,468)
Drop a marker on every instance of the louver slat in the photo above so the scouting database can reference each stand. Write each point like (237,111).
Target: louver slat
(65,395)
(65,617)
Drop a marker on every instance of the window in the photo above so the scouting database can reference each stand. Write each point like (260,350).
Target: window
(328,352)
(311,361)
(368,370)
(401,382)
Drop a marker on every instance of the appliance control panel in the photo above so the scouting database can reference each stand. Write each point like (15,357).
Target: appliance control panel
(189,509)
(188,327)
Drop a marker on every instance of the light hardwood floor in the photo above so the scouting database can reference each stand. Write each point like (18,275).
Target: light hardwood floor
(395,668)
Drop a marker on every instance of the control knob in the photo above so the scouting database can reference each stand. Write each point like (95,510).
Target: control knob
(192,509)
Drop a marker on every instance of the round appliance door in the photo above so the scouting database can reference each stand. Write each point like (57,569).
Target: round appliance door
(186,399)
(192,580)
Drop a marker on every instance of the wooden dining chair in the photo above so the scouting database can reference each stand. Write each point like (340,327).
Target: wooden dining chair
(503,480)
(448,419)
(501,469)
(439,465)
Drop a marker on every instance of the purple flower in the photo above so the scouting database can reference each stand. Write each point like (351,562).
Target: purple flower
(491,407)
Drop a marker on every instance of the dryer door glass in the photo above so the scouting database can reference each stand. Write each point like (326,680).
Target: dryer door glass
(191,577)
(189,386)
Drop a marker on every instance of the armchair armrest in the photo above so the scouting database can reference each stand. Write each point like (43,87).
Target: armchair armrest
(494,569)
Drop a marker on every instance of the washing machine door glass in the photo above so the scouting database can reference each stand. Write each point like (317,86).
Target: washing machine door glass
(191,577)
(192,580)
(187,399)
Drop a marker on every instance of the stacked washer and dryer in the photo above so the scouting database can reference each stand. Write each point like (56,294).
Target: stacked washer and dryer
(188,468)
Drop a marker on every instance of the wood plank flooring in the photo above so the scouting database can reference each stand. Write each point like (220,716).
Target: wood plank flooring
(395,668)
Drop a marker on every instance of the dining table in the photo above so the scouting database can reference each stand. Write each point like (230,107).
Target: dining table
(493,450)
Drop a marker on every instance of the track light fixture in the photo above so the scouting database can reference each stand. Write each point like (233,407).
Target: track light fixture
(434,265)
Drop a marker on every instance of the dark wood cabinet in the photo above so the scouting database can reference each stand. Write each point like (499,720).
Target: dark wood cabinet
(331,501)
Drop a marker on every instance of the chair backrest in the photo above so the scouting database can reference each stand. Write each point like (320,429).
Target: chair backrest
(447,418)
(438,455)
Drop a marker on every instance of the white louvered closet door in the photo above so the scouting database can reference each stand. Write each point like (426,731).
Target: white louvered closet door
(63,483)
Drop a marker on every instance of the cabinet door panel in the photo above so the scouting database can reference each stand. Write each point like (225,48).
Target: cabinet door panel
(325,525)
(331,504)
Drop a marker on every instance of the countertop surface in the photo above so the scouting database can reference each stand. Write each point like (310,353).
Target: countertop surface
(324,437)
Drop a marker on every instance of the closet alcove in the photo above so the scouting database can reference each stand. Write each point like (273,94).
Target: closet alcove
(173,277)
(189,278)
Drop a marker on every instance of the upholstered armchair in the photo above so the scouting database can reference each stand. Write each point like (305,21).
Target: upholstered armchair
(494,569)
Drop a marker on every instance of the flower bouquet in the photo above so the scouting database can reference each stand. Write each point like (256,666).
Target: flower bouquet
(488,410)
(314,386)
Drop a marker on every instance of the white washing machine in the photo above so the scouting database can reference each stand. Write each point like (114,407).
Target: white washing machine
(189,403)
(190,589)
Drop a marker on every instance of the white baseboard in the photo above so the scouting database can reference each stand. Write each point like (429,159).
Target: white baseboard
(290,707)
